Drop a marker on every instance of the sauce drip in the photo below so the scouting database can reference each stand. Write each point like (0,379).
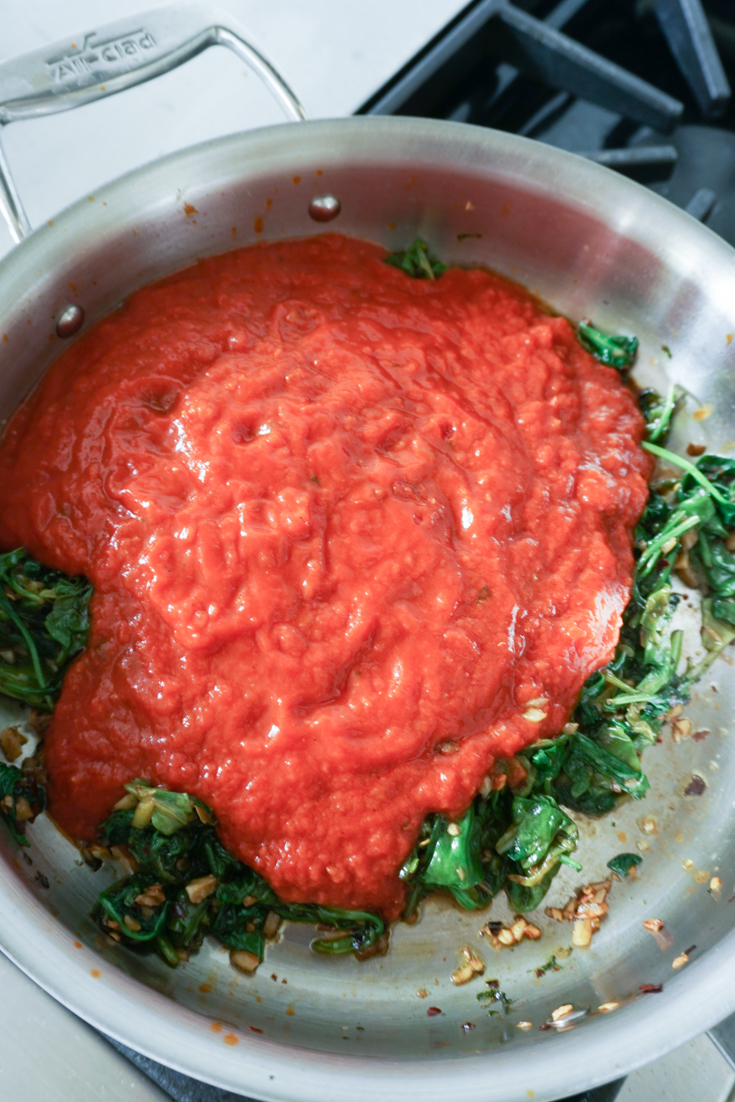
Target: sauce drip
(352,537)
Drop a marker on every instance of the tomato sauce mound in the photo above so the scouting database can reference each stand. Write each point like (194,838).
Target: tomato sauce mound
(352,536)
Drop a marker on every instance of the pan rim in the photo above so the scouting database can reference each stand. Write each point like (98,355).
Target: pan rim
(698,998)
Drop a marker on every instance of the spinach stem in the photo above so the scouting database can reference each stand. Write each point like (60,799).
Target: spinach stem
(662,422)
(680,461)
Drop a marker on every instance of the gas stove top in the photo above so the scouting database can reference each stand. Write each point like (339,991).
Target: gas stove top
(643,86)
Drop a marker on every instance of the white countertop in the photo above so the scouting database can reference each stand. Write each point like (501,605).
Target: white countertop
(334,53)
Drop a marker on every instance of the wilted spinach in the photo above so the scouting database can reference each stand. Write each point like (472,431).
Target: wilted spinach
(623,863)
(44,621)
(172,840)
(21,800)
(417,262)
(618,352)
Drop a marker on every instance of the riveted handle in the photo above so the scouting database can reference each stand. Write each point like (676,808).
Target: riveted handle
(99,63)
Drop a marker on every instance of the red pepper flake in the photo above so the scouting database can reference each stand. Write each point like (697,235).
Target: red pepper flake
(254,1029)
(433,1011)
(690,949)
(651,988)
(696,786)
(700,736)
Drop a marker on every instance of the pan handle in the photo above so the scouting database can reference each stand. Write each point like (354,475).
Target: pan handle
(117,56)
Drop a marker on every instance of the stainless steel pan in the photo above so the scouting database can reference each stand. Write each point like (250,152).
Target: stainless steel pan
(591,243)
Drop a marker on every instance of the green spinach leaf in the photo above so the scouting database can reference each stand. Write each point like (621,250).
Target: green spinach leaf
(44,621)
(619,352)
(21,800)
(417,262)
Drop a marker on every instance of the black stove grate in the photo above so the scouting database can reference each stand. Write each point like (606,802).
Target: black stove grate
(643,86)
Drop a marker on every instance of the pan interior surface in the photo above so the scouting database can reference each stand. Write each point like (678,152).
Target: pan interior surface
(593,245)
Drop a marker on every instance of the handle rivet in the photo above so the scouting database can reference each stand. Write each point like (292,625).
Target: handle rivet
(323,208)
(69,321)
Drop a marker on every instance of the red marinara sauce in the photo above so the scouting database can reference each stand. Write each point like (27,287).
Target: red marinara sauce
(352,536)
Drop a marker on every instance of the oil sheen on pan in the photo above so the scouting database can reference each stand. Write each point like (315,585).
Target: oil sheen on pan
(352,537)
